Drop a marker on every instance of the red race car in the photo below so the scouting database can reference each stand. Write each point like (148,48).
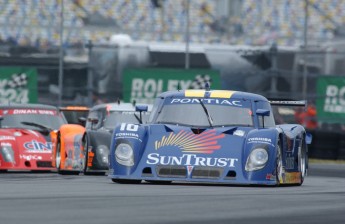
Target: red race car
(25,142)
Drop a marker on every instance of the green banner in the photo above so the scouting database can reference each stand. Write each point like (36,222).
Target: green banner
(18,85)
(330,104)
(143,85)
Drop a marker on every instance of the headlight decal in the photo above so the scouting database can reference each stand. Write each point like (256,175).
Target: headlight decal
(7,152)
(102,153)
(257,159)
(124,154)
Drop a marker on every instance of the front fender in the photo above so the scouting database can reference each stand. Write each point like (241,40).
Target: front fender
(69,136)
(134,135)
(99,144)
(263,138)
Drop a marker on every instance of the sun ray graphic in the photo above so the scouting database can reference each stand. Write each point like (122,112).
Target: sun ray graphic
(206,142)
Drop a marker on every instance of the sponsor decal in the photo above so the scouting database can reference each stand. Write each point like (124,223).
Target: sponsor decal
(270,176)
(35,146)
(6,144)
(32,111)
(30,157)
(334,102)
(127,135)
(260,140)
(131,128)
(18,84)
(206,142)
(144,85)
(189,169)
(239,133)
(7,137)
(206,101)
(190,160)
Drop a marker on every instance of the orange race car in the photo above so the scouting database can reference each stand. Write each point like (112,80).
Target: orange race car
(68,134)
(72,139)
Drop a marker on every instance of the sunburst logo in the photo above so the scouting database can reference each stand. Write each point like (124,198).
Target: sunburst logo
(206,142)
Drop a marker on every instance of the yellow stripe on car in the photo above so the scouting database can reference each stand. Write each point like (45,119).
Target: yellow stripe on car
(194,93)
(221,94)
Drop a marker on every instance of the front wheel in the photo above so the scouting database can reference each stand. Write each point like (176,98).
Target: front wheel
(58,156)
(302,161)
(58,161)
(86,150)
(279,166)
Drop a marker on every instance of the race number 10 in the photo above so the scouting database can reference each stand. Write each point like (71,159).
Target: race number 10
(129,127)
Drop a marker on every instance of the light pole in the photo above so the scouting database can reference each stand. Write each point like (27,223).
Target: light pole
(187,62)
(61,55)
(305,50)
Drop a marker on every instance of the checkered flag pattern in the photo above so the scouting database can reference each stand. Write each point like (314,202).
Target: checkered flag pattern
(200,81)
(18,80)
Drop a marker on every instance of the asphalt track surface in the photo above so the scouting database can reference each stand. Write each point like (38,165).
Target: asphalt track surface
(33,198)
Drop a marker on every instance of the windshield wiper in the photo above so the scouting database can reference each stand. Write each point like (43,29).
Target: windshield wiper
(42,127)
(209,118)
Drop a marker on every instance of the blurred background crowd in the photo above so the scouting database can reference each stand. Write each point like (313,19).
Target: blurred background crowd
(35,23)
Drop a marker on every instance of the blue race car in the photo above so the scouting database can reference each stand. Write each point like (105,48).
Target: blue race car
(214,136)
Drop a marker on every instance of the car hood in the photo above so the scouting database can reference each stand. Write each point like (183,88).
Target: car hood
(26,140)
(171,145)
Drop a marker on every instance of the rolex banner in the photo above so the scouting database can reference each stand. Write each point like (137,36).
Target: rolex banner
(330,103)
(18,85)
(143,85)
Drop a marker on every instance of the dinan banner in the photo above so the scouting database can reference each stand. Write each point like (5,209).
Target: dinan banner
(18,85)
(143,85)
(330,104)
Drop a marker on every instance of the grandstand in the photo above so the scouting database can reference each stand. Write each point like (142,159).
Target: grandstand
(256,22)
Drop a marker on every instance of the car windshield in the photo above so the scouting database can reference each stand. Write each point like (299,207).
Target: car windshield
(117,117)
(206,112)
(72,117)
(31,119)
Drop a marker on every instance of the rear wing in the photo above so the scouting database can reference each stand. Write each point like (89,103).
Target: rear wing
(297,103)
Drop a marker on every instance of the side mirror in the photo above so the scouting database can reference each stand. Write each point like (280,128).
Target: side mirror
(263,112)
(141,108)
(94,121)
(82,121)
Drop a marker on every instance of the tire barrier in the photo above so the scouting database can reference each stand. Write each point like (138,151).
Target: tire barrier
(327,145)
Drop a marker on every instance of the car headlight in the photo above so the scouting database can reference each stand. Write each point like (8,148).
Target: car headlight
(124,154)
(7,153)
(257,159)
(102,153)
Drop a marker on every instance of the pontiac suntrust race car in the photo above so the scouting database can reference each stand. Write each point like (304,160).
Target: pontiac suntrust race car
(210,136)
(25,142)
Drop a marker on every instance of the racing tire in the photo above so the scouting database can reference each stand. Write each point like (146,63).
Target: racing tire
(279,166)
(58,156)
(58,161)
(125,181)
(302,161)
(86,157)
